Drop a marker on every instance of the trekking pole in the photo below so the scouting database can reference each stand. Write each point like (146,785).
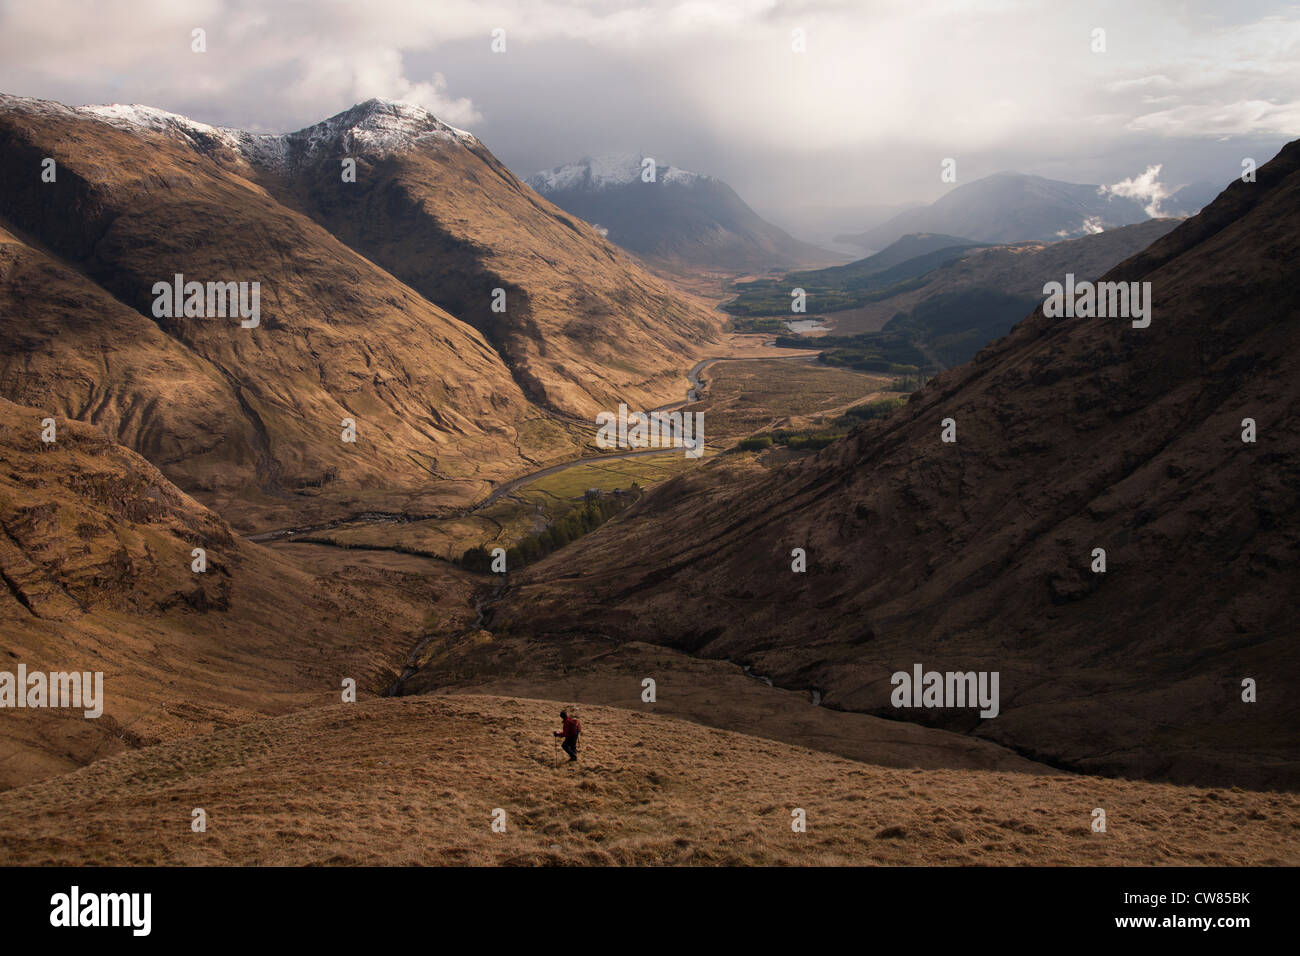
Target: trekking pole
(555,759)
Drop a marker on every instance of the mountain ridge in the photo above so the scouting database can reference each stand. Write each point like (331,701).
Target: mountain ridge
(1011,207)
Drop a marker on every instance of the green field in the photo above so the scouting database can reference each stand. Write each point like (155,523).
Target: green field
(509,519)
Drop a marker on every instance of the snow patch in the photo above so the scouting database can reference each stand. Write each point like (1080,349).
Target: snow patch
(374,128)
(606,172)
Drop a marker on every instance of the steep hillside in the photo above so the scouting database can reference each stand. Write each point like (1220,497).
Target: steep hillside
(682,218)
(581,325)
(584,326)
(421,781)
(96,574)
(1072,435)
(251,418)
(969,302)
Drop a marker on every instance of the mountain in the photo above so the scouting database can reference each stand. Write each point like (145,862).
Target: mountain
(1010,207)
(251,419)
(977,294)
(581,326)
(682,218)
(937,308)
(978,555)
(1191,199)
(968,302)
(906,249)
(824,224)
(838,288)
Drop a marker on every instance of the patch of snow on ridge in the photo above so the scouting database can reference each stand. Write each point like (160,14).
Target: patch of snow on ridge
(605,172)
(378,127)
(372,128)
(262,148)
(29,104)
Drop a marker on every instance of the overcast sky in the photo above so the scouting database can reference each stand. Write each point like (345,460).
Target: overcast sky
(882,93)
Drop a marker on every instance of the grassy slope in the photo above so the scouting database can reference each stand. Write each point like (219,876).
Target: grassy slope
(416,782)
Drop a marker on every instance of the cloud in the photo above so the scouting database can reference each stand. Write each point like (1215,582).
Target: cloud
(1240,118)
(883,91)
(379,74)
(1090,227)
(1144,187)
(1156,82)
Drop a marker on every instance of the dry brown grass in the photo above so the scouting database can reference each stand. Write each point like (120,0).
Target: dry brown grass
(95,575)
(415,781)
(754,395)
(709,692)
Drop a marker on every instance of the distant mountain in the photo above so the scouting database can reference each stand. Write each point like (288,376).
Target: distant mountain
(1191,199)
(824,225)
(932,301)
(852,285)
(979,293)
(582,327)
(682,218)
(907,249)
(1010,207)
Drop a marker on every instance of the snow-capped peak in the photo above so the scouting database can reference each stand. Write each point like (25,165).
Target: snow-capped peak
(378,127)
(606,172)
(373,128)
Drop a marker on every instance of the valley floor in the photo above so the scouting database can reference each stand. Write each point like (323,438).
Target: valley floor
(417,781)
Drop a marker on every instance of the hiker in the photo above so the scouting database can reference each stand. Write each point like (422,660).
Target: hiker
(569,731)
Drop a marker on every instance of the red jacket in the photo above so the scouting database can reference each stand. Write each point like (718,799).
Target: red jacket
(571,728)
